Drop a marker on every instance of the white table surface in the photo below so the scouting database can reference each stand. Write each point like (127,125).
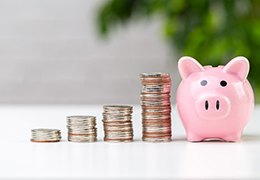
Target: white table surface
(179,159)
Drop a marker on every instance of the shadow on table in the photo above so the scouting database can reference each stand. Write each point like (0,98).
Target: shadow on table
(179,138)
(250,137)
(244,138)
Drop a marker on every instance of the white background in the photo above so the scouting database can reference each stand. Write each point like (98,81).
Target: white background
(50,52)
(179,159)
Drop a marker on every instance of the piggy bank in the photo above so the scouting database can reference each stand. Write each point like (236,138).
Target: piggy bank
(214,102)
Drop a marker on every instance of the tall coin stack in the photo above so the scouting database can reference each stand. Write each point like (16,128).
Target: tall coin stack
(117,121)
(156,107)
(82,128)
(46,135)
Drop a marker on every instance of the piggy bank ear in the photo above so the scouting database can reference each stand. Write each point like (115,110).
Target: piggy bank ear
(188,65)
(238,66)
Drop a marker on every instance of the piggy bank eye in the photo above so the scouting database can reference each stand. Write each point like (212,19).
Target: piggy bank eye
(203,83)
(223,83)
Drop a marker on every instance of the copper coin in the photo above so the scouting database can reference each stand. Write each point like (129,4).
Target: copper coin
(44,141)
(118,140)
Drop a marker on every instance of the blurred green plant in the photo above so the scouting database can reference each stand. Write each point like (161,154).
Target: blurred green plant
(211,31)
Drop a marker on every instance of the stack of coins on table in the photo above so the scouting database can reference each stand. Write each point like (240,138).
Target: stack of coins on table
(156,107)
(82,128)
(117,121)
(45,135)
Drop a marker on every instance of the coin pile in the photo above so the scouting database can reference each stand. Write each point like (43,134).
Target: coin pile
(82,128)
(45,135)
(117,121)
(156,107)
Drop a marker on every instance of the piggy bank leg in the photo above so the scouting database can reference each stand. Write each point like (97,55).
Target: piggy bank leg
(232,137)
(194,137)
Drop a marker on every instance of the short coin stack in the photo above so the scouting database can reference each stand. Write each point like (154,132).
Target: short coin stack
(82,128)
(156,107)
(45,135)
(117,121)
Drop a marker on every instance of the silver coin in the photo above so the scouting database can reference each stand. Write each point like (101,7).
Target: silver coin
(45,135)
(45,130)
(156,88)
(114,117)
(117,122)
(155,98)
(147,116)
(118,112)
(157,82)
(118,128)
(81,117)
(77,138)
(117,108)
(118,136)
(118,140)
(156,106)
(81,128)
(158,103)
(155,140)
(154,74)
(86,132)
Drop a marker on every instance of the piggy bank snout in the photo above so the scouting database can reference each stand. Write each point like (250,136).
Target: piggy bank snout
(212,107)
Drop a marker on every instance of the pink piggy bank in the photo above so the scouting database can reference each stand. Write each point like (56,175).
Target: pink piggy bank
(214,102)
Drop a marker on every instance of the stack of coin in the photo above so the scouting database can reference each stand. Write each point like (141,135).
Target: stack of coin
(45,135)
(117,121)
(156,107)
(82,128)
